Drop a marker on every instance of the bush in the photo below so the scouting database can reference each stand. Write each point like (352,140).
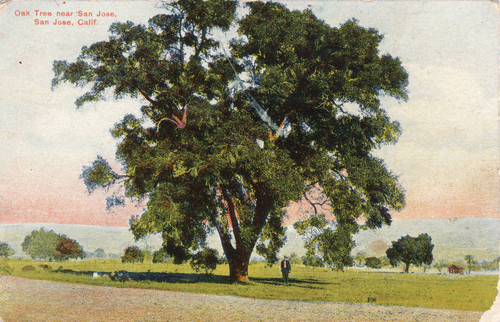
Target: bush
(312,260)
(6,250)
(373,262)
(160,256)
(133,254)
(205,260)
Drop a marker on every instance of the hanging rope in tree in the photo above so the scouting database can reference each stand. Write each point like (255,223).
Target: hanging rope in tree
(277,131)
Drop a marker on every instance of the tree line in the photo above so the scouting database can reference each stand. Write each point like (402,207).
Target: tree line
(50,246)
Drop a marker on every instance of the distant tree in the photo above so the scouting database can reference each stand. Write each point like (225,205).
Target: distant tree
(493,265)
(373,262)
(440,265)
(133,254)
(326,240)
(205,260)
(99,253)
(360,258)
(384,261)
(411,250)
(6,250)
(294,259)
(469,259)
(68,248)
(160,256)
(41,244)
(310,259)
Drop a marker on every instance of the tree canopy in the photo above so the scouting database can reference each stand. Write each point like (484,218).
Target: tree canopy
(6,250)
(49,245)
(68,248)
(132,254)
(411,250)
(100,253)
(41,244)
(206,155)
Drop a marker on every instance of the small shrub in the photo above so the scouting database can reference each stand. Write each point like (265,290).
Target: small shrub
(205,260)
(160,256)
(373,262)
(45,267)
(28,268)
(133,254)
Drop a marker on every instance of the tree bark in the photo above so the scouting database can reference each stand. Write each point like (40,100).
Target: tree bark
(239,256)
(238,267)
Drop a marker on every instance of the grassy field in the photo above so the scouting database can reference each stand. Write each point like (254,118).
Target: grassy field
(461,292)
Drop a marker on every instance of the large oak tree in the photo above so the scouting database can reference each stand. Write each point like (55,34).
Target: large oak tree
(229,137)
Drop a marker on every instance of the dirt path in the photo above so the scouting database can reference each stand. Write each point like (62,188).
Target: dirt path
(35,300)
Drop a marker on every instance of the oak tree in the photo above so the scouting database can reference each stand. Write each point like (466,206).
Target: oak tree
(68,248)
(411,250)
(41,244)
(5,250)
(228,137)
(132,254)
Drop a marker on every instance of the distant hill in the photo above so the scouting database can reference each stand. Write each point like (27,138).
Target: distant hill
(452,239)
(112,239)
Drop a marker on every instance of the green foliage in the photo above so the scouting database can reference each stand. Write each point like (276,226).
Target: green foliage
(132,254)
(360,258)
(100,253)
(469,259)
(440,265)
(6,250)
(160,256)
(41,244)
(384,261)
(272,238)
(221,170)
(330,241)
(294,259)
(373,262)
(205,260)
(5,267)
(411,250)
(491,265)
(310,259)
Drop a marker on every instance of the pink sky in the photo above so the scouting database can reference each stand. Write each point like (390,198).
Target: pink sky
(446,159)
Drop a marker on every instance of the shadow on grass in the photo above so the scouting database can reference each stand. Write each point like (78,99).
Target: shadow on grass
(123,276)
(304,283)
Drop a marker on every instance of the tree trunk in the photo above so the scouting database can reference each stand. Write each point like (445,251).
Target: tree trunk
(407,268)
(238,267)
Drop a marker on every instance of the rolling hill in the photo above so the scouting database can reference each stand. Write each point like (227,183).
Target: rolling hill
(452,239)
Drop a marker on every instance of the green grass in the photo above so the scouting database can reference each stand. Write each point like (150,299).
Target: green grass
(461,292)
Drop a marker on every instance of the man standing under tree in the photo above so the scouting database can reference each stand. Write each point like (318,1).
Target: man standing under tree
(285,269)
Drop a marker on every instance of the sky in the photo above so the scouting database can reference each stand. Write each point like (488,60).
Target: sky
(446,159)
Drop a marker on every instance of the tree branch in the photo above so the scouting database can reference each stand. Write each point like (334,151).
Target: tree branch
(321,204)
(198,46)
(224,238)
(232,215)
(147,97)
